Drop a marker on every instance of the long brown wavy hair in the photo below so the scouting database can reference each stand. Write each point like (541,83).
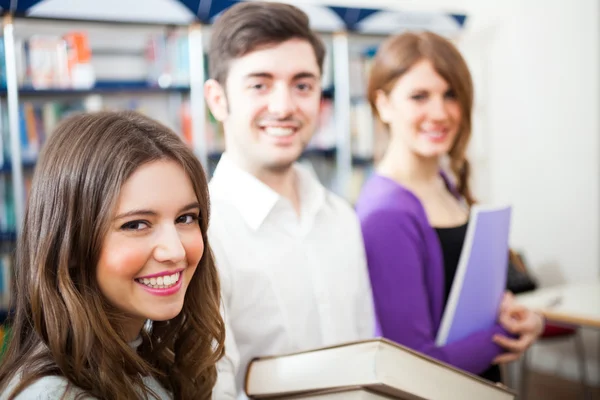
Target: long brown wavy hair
(63,325)
(398,54)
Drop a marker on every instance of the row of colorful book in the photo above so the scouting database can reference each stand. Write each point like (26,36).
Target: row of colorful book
(51,61)
(45,61)
(167,57)
(7,210)
(36,122)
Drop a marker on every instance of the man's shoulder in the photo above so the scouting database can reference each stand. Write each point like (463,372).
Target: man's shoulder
(219,203)
(339,214)
(337,202)
(222,214)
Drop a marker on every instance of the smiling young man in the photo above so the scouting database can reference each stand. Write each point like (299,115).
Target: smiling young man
(290,253)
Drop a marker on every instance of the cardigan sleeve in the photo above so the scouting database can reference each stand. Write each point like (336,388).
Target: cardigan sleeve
(397,261)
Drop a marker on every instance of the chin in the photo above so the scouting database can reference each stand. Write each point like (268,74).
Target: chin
(284,161)
(434,151)
(279,166)
(165,314)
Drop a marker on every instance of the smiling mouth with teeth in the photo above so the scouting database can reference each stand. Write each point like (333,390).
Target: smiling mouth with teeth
(278,131)
(161,282)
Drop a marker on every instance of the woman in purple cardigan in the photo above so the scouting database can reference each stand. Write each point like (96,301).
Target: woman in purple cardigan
(414,217)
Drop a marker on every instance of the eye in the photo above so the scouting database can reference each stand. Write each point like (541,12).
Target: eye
(450,94)
(188,219)
(257,86)
(419,96)
(135,226)
(304,87)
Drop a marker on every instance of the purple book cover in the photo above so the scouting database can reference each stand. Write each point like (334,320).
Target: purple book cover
(480,279)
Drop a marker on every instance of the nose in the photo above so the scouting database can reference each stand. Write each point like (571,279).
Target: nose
(281,102)
(437,109)
(169,248)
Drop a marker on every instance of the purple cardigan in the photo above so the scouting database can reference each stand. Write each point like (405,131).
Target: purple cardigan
(407,276)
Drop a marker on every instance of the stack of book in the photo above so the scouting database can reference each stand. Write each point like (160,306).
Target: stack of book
(370,369)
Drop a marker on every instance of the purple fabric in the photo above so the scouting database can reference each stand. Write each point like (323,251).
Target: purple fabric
(407,276)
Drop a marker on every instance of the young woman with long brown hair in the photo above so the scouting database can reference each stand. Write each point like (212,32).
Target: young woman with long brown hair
(117,295)
(414,215)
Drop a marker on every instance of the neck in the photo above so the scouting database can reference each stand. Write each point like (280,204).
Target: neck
(402,164)
(281,180)
(132,329)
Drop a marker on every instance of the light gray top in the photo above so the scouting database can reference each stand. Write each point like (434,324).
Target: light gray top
(53,387)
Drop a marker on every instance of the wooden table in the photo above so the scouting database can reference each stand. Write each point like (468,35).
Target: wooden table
(573,303)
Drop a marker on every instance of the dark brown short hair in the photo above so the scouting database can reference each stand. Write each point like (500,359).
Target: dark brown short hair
(247,26)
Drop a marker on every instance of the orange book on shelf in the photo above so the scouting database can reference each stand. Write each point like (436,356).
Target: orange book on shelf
(32,133)
(4,338)
(79,51)
(79,58)
(186,124)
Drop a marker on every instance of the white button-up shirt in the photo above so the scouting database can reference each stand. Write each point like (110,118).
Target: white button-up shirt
(290,283)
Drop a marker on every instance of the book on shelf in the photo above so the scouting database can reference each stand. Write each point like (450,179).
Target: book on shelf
(325,133)
(79,60)
(51,61)
(5,280)
(4,223)
(7,205)
(38,119)
(377,365)
(167,56)
(480,279)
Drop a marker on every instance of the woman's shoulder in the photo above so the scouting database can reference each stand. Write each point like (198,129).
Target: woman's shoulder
(55,388)
(45,388)
(384,197)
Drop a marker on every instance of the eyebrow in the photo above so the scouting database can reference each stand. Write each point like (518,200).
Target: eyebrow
(151,213)
(430,89)
(299,75)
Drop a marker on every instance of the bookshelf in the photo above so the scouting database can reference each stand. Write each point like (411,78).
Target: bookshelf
(342,151)
(100,87)
(124,77)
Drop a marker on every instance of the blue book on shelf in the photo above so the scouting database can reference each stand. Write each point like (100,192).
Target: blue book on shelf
(480,279)
(3,286)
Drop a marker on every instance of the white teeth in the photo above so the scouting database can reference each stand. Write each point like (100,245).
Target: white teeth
(435,134)
(278,131)
(162,282)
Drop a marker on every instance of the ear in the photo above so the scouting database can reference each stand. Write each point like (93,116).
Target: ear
(383,106)
(216,99)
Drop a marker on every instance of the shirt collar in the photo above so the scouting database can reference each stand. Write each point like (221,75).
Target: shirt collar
(255,200)
(312,193)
